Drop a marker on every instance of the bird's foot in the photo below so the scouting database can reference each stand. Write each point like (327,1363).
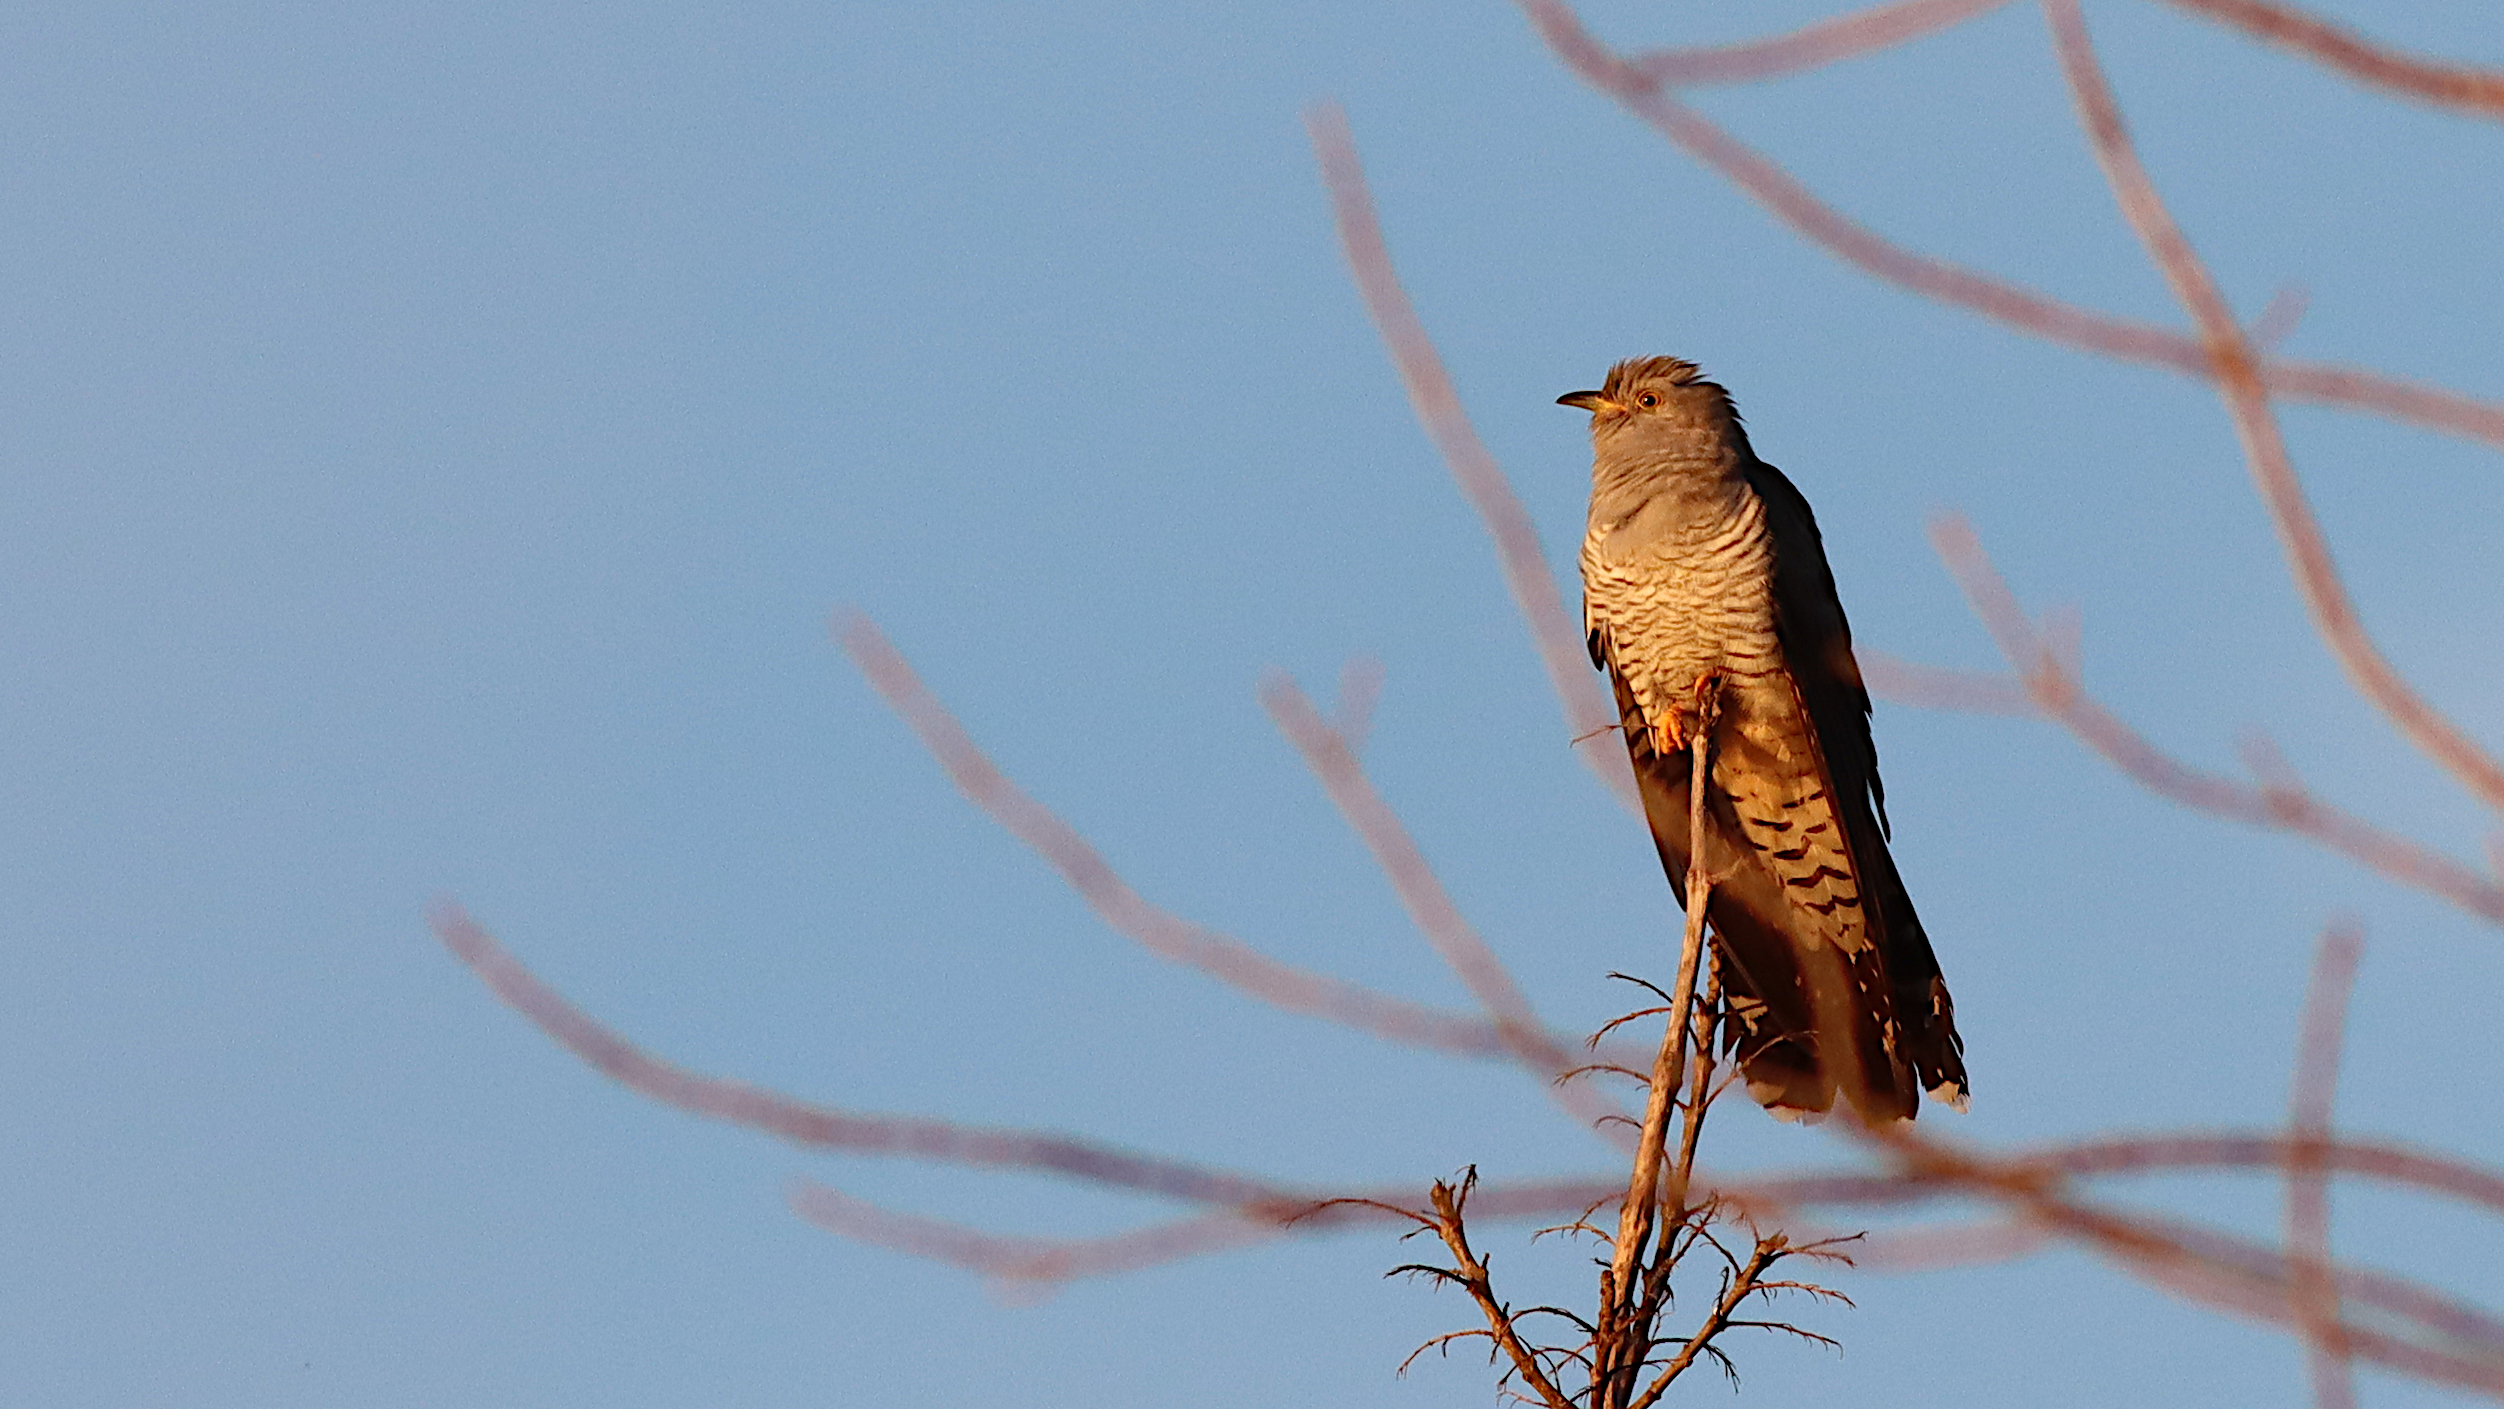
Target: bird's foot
(1669,739)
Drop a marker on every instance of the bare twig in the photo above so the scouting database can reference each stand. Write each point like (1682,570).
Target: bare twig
(1332,762)
(827,1127)
(1033,1263)
(1741,1286)
(2279,317)
(2014,305)
(1935,687)
(1553,634)
(1700,1088)
(2478,91)
(1360,691)
(1161,931)
(2056,691)
(2226,1271)
(2318,1041)
(1952,1245)
(1470,1273)
(1812,46)
(2236,370)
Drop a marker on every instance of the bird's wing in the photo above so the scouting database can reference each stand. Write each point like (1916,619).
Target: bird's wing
(1785,904)
(1817,650)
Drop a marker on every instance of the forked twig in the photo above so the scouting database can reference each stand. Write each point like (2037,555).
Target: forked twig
(1624,1339)
(1469,1272)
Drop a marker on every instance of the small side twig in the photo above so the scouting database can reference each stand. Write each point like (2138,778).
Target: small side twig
(2316,1292)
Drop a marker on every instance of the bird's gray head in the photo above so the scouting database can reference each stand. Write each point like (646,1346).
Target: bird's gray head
(1659,408)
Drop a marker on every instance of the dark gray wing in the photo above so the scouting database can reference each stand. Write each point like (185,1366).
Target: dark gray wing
(1817,648)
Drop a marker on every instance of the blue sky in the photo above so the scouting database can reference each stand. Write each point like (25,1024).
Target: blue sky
(432,440)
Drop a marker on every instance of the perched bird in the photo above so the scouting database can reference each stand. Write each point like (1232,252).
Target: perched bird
(1703,569)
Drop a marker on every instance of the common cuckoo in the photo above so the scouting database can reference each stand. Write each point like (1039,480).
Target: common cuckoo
(1703,564)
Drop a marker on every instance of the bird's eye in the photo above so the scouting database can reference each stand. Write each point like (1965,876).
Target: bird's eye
(1647,401)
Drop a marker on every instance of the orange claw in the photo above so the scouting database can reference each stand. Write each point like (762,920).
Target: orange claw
(1669,735)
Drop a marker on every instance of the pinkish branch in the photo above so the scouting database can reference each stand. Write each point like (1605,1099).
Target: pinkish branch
(1160,931)
(1430,907)
(2236,371)
(2014,305)
(2477,91)
(1590,720)
(2280,803)
(2320,1036)
(1851,36)
(828,1127)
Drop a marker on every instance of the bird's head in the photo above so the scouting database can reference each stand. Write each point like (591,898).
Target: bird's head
(1657,404)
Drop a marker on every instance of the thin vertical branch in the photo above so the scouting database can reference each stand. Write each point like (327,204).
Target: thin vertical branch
(2315,1293)
(1589,718)
(1626,1341)
(1700,1085)
(2236,369)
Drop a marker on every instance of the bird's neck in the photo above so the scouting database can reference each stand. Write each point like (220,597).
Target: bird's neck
(1694,489)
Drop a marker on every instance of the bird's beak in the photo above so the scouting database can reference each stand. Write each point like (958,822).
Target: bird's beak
(1590,401)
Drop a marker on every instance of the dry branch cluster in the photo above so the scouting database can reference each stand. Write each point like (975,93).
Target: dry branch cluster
(1666,1209)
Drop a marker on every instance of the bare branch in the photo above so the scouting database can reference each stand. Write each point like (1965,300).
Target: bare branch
(2279,317)
(1161,931)
(1935,687)
(2281,806)
(2014,305)
(1952,1245)
(826,1127)
(1741,1286)
(2477,91)
(2272,1151)
(1811,46)
(2237,373)
(2319,1038)
(1036,1264)
(1327,754)
(1470,1272)
(1553,634)
(1360,690)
